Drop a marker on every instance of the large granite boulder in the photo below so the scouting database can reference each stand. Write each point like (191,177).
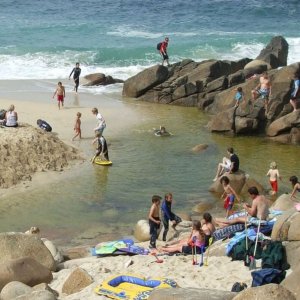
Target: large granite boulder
(249,183)
(223,121)
(25,270)
(286,228)
(283,202)
(190,294)
(99,79)
(284,124)
(77,280)
(293,253)
(266,292)
(275,53)
(56,253)
(291,282)
(142,231)
(257,63)
(38,295)
(14,289)
(144,81)
(17,245)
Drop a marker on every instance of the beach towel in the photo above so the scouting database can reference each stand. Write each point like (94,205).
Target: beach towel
(227,231)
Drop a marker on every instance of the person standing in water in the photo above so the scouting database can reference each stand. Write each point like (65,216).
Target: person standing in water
(76,73)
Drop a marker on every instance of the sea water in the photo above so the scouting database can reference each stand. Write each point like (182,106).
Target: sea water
(42,40)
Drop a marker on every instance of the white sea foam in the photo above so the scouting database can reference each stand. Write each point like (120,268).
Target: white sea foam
(127,31)
(58,65)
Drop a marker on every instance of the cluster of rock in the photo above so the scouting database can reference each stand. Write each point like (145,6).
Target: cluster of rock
(211,84)
(26,150)
(96,79)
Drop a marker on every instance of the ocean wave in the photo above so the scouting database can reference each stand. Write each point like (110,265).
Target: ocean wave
(58,65)
(127,31)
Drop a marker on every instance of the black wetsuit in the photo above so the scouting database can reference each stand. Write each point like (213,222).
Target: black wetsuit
(102,148)
(76,75)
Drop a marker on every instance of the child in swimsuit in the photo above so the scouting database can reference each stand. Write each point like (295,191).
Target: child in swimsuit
(61,94)
(77,126)
(229,195)
(238,96)
(273,173)
(154,221)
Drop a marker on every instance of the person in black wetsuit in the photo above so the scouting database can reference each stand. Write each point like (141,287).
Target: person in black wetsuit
(76,73)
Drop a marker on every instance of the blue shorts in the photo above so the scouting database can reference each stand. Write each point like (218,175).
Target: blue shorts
(264,93)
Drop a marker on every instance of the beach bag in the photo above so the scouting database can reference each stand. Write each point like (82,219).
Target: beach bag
(158,46)
(274,256)
(238,286)
(266,276)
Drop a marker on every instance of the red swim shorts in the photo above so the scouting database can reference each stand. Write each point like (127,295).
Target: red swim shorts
(60,98)
(274,185)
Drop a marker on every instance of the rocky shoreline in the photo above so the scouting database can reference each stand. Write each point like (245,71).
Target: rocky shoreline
(210,85)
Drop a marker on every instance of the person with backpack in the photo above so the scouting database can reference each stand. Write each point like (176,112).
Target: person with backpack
(162,48)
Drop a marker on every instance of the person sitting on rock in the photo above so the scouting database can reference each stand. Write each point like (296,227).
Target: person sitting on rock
(296,92)
(258,211)
(162,132)
(231,165)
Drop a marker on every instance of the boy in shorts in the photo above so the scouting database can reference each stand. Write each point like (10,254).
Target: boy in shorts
(229,195)
(61,94)
(154,221)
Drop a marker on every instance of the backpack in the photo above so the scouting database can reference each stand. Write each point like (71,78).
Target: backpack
(158,46)
(274,256)
(238,286)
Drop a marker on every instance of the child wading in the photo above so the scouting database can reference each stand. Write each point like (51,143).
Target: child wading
(168,215)
(273,173)
(154,221)
(229,195)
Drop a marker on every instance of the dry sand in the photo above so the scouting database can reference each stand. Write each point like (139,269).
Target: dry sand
(220,274)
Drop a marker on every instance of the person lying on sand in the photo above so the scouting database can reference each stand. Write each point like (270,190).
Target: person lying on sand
(259,210)
(197,238)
